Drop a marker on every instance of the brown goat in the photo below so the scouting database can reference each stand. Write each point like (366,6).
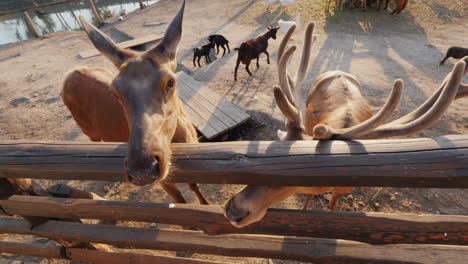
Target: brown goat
(252,48)
(335,109)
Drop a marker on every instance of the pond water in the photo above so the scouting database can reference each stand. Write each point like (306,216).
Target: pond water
(13,28)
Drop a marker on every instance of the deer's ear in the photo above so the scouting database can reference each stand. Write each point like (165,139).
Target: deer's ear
(172,37)
(105,45)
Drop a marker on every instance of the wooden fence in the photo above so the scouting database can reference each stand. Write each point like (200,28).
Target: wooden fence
(33,27)
(311,236)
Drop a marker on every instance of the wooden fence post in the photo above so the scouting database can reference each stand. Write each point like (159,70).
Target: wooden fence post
(95,12)
(31,25)
(141,4)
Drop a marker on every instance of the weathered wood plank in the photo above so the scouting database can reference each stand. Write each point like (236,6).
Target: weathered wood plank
(373,228)
(424,162)
(36,250)
(233,111)
(124,44)
(212,111)
(314,250)
(92,256)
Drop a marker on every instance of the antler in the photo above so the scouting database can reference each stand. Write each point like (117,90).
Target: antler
(421,118)
(430,111)
(288,103)
(322,131)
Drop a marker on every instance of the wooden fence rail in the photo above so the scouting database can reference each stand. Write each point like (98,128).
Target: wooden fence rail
(34,8)
(316,250)
(373,228)
(422,162)
(92,256)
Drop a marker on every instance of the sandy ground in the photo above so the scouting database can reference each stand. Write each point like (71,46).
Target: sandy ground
(374,46)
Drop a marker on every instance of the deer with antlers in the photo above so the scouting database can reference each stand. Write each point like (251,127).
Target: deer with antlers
(335,109)
(140,105)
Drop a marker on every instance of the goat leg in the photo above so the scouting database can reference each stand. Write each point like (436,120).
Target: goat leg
(224,49)
(258,65)
(194,57)
(268,56)
(199,61)
(229,50)
(235,70)
(247,68)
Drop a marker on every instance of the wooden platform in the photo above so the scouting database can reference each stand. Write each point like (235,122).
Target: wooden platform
(211,114)
(125,44)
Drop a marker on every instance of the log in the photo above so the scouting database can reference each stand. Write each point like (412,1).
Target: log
(95,12)
(316,250)
(373,228)
(421,162)
(31,25)
(92,256)
(28,249)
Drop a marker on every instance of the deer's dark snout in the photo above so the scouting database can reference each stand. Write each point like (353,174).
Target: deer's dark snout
(142,173)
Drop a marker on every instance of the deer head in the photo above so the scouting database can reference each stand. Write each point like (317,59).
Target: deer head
(251,203)
(146,88)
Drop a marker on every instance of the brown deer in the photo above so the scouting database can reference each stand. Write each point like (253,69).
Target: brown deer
(335,109)
(140,105)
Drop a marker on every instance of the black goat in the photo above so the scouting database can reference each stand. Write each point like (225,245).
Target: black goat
(252,48)
(203,51)
(455,52)
(219,40)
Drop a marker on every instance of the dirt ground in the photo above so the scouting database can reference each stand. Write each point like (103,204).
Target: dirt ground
(376,47)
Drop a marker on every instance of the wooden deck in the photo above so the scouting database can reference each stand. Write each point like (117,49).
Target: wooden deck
(211,114)
(125,44)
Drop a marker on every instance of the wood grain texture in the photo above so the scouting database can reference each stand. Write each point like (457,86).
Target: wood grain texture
(92,256)
(373,228)
(316,250)
(211,114)
(124,44)
(440,162)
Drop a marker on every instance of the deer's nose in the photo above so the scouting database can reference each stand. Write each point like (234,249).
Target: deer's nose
(233,214)
(143,175)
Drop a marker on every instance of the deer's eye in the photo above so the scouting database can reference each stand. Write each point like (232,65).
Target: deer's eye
(170,84)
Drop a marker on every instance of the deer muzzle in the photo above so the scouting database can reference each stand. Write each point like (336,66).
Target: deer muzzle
(143,175)
(234,215)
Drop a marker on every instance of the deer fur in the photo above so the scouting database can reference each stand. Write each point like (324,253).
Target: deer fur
(140,105)
(335,109)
